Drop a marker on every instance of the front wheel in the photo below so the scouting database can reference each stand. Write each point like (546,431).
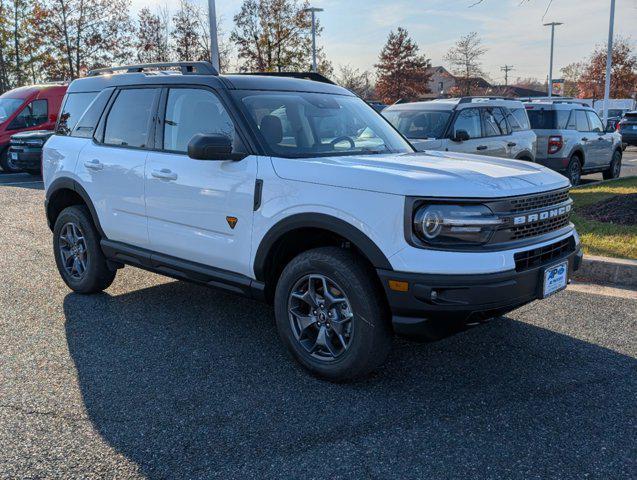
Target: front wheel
(615,168)
(331,315)
(6,163)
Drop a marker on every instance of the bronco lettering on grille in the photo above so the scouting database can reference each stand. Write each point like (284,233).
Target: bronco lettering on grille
(538,217)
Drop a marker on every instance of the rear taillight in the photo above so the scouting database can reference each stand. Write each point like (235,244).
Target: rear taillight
(555,143)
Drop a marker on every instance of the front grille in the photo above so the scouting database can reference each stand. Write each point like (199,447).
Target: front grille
(543,255)
(538,201)
(539,228)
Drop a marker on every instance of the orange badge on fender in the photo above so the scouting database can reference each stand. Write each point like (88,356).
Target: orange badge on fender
(232,221)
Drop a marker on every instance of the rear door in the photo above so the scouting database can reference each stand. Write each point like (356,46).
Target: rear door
(588,139)
(495,132)
(113,166)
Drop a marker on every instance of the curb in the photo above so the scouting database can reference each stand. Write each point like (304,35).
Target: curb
(616,271)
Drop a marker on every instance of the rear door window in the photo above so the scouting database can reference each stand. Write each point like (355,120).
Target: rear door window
(596,123)
(494,123)
(469,121)
(581,123)
(129,120)
(518,119)
(74,107)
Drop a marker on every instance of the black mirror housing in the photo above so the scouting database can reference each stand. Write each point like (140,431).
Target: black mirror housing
(461,136)
(209,146)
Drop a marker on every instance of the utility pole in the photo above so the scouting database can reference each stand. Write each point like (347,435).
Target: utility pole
(313,11)
(506,69)
(609,60)
(552,25)
(214,41)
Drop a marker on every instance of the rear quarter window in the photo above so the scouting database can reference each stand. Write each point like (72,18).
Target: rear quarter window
(518,119)
(75,104)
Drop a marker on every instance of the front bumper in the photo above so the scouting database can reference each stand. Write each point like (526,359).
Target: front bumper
(27,158)
(464,297)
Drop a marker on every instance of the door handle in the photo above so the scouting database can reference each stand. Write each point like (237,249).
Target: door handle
(94,164)
(584,139)
(164,174)
(511,144)
(481,147)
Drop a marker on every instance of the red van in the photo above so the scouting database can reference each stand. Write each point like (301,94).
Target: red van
(27,108)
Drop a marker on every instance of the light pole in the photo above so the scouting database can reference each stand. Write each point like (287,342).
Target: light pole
(313,11)
(552,25)
(609,60)
(214,41)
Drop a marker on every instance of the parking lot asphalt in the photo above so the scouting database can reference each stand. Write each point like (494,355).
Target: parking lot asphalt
(157,378)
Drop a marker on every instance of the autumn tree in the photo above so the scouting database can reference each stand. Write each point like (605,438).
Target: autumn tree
(572,73)
(402,72)
(89,33)
(623,80)
(465,58)
(275,35)
(152,39)
(356,81)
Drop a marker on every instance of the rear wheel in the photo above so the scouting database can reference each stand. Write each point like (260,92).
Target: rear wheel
(615,168)
(6,163)
(330,314)
(77,251)
(574,170)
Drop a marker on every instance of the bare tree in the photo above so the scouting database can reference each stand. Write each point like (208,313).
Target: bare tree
(89,33)
(465,56)
(152,41)
(356,81)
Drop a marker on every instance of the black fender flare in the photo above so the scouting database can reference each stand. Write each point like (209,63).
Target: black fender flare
(580,151)
(325,222)
(65,183)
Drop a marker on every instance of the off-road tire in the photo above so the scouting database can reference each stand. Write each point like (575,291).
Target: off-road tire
(615,168)
(574,170)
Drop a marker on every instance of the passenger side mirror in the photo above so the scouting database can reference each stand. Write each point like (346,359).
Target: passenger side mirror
(209,146)
(461,136)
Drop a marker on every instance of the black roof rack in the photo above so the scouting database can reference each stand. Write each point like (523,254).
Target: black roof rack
(187,68)
(314,76)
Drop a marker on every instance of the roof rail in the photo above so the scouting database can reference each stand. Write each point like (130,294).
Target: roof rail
(484,97)
(314,76)
(187,68)
(557,100)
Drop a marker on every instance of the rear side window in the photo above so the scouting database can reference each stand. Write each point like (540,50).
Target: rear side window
(75,105)
(518,119)
(85,127)
(129,120)
(548,119)
(581,123)
(34,114)
(469,121)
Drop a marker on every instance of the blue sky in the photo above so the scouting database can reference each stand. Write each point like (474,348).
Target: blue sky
(355,30)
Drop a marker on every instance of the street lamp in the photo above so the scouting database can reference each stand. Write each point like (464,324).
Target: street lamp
(552,25)
(313,11)
(214,42)
(609,60)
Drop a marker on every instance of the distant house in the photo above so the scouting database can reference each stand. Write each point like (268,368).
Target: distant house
(443,83)
(514,91)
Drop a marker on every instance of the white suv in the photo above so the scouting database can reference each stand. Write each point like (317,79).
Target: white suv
(494,126)
(298,193)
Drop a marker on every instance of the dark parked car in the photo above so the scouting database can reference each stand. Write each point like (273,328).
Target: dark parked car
(628,128)
(25,150)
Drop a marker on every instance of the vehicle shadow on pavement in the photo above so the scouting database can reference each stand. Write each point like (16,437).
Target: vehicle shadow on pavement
(190,382)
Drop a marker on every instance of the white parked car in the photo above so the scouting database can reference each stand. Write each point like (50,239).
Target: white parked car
(482,125)
(298,193)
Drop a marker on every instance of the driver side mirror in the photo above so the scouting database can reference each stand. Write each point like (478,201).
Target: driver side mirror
(209,146)
(461,136)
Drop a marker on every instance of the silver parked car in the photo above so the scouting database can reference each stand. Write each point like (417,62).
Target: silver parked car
(492,126)
(572,139)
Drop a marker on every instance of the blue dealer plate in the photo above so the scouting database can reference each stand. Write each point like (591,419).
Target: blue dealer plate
(555,279)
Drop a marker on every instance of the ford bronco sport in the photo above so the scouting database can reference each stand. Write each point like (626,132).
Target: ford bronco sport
(298,193)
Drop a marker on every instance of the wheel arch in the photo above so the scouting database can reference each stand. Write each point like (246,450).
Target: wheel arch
(324,229)
(63,193)
(579,151)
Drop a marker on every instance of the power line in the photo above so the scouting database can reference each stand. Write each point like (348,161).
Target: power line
(506,69)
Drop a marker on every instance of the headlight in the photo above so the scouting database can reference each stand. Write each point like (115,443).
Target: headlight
(447,225)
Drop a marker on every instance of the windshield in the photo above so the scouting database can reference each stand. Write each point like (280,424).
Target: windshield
(298,124)
(8,106)
(419,124)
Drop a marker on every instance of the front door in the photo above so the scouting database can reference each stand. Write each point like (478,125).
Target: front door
(199,210)
(468,121)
